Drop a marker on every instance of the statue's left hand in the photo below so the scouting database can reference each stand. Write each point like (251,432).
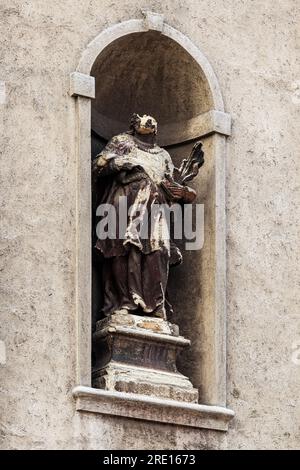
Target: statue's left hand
(178,191)
(189,194)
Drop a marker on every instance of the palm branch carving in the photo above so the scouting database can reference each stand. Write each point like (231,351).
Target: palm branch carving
(190,166)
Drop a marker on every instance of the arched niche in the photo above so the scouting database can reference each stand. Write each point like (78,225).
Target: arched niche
(148,66)
(148,72)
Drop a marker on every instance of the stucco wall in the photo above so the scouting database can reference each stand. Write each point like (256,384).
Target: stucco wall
(252,48)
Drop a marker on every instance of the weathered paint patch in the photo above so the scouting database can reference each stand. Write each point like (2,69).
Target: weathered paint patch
(2,92)
(2,353)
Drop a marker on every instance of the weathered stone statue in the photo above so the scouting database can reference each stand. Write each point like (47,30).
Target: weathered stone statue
(135,347)
(136,268)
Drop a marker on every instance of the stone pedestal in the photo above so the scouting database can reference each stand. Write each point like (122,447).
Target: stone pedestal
(137,354)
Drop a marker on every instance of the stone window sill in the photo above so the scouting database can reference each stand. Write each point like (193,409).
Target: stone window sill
(147,408)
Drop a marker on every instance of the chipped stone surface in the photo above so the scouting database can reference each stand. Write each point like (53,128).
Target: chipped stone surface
(138,323)
(252,49)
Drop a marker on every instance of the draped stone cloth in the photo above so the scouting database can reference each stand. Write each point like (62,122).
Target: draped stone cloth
(136,261)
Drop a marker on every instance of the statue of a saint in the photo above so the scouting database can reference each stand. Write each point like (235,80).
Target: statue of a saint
(136,268)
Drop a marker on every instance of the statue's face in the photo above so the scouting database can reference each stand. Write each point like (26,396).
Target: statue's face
(145,124)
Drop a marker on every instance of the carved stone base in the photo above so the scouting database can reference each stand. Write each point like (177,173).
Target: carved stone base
(136,354)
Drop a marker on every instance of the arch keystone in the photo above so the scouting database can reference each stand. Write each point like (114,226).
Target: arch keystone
(153,21)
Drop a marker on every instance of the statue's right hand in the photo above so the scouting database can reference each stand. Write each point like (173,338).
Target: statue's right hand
(101,161)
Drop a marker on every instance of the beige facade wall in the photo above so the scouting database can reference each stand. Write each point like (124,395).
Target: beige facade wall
(252,47)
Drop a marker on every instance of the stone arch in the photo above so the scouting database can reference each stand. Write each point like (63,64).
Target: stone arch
(208,359)
(152,22)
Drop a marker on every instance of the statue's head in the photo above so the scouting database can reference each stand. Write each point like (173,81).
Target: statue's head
(143,124)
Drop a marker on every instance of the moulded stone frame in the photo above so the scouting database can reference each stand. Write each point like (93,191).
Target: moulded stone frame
(216,123)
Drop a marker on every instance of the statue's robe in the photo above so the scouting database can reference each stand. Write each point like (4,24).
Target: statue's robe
(136,263)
